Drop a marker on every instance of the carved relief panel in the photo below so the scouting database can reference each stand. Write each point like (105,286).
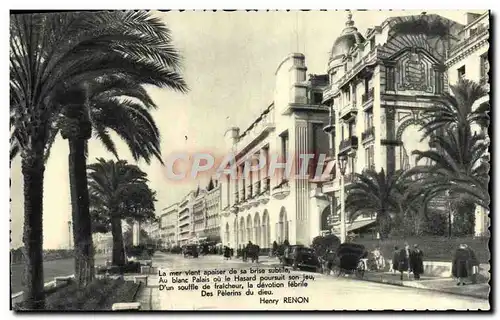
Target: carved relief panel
(415,72)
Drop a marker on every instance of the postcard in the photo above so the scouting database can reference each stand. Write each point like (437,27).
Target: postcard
(250,160)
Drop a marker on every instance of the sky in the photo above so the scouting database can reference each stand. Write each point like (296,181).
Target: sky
(229,60)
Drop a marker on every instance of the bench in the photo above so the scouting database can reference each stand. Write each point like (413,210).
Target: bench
(122,306)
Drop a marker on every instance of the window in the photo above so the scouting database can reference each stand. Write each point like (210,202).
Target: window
(284,145)
(352,129)
(389,78)
(317,97)
(484,66)
(368,119)
(461,72)
(370,157)
(321,143)
(372,43)
(348,95)
(439,82)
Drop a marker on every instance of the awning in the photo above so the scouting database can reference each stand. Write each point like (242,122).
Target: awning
(359,224)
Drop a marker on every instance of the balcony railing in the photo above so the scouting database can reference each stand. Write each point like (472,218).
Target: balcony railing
(281,190)
(266,183)
(481,31)
(348,144)
(249,191)
(347,110)
(368,96)
(368,134)
(256,187)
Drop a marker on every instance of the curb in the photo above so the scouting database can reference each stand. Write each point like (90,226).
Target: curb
(399,284)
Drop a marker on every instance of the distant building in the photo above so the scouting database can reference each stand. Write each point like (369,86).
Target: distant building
(185,219)
(169,225)
(213,214)
(103,243)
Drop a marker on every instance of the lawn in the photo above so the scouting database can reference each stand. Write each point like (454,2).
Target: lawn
(51,269)
(434,248)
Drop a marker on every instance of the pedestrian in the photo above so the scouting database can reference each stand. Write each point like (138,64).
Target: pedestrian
(404,260)
(395,259)
(417,262)
(275,248)
(474,264)
(462,264)
(227,252)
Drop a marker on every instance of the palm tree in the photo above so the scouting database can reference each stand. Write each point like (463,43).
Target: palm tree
(377,193)
(119,191)
(455,109)
(460,167)
(51,53)
(119,104)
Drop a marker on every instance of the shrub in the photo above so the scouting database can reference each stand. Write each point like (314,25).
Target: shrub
(100,295)
(321,244)
(131,267)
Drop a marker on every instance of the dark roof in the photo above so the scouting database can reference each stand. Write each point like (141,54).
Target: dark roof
(349,38)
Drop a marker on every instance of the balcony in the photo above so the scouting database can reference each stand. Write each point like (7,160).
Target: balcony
(328,93)
(257,131)
(368,135)
(348,111)
(184,216)
(349,146)
(282,190)
(460,47)
(367,99)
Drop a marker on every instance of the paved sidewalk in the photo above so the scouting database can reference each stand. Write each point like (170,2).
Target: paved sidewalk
(448,285)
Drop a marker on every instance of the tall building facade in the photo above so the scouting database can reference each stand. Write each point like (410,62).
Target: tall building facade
(381,82)
(169,225)
(185,229)
(213,217)
(370,101)
(468,59)
(260,206)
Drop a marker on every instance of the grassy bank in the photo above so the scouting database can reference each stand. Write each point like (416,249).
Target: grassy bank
(99,295)
(434,248)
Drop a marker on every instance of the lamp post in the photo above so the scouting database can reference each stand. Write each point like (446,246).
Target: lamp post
(342,163)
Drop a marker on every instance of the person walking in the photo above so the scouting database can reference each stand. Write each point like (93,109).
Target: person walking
(395,259)
(474,265)
(404,260)
(417,262)
(275,248)
(462,264)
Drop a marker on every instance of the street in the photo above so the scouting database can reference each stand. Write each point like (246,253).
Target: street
(322,293)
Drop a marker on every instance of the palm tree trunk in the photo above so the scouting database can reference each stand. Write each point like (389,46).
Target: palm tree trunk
(118,250)
(82,233)
(383,223)
(33,168)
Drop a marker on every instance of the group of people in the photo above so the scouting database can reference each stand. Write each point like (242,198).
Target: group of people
(408,260)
